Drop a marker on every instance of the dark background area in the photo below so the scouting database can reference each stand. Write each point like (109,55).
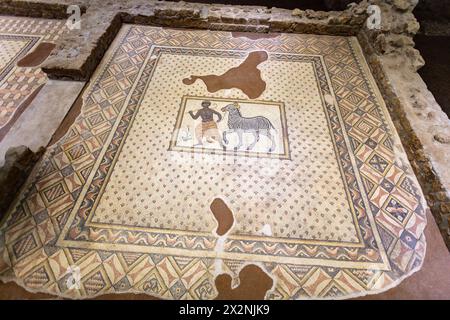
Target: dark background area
(436,72)
(432,9)
(435,49)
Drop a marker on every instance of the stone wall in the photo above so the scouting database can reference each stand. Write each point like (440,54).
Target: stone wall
(422,125)
(77,55)
(424,128)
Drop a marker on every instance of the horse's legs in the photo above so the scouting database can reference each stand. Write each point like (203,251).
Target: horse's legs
(256,136)
(272,140)
(225,140)
(239,132)
(218,138)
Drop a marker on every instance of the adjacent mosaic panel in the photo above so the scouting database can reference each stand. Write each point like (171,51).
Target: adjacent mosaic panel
(323,197)
(18,37)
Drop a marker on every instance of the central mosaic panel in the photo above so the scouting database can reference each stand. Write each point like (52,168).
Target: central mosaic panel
(181,186)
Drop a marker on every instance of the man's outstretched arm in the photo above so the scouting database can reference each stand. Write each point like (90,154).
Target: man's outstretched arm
(218,114)
(194,116)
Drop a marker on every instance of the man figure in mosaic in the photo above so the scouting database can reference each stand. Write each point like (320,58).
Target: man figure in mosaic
(208,127)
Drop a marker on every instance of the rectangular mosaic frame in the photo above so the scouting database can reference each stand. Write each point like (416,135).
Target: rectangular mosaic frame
(285,156)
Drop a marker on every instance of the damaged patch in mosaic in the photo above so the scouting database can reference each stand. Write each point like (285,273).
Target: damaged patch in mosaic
(246,77)
(37,56)
(254,284)
(223,215)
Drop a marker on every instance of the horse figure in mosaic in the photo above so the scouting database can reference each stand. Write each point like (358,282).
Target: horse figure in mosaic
(256,125)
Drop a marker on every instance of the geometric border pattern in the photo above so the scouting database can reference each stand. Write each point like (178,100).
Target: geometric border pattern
(31,254)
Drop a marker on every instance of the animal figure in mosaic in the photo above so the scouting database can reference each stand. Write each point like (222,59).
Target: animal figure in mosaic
(256,125)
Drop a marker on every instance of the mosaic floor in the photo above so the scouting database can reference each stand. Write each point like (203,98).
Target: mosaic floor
(19,37)
(322,194)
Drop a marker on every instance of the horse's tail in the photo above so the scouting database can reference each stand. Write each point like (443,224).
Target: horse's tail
(271,126)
